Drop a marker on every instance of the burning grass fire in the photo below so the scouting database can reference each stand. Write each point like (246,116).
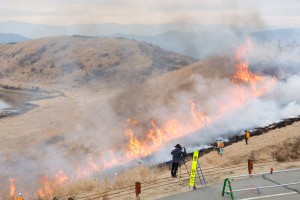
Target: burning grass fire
(245,85)
(243,74)
(12,193)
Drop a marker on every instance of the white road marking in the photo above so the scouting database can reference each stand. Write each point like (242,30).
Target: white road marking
(267,196)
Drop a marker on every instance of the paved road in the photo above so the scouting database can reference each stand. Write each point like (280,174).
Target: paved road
(291,192)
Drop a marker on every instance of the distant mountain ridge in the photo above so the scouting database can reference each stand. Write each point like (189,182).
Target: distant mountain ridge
(41,30)
(187,39)
(196,44)
(11,38)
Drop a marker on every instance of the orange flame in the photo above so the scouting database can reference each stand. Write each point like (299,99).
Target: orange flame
(41,193)
(243,74)
(158,135)
(61,178)
(46,190)
(253,85)
(94,167)
(112,162)
(136,146)
(199,118)
(12,187)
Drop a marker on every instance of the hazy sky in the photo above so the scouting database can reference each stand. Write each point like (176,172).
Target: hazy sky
(279,13)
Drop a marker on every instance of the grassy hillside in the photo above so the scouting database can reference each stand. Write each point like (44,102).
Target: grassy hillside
(164,89)
(81,59)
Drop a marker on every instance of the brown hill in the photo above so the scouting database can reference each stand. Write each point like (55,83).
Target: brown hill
(165,90)
(79,59)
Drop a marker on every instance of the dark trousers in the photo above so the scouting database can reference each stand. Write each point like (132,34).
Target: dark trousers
(174,169)
(246,139)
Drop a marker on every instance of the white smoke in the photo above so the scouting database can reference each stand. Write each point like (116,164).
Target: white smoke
(3,105)
(279,102)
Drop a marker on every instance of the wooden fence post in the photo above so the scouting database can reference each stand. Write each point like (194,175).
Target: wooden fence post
(138,188)
(250,166)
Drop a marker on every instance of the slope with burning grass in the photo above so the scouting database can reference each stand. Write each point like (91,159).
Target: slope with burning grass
(266,150)
(163,90)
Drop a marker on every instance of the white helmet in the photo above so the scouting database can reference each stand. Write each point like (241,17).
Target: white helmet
(20,194)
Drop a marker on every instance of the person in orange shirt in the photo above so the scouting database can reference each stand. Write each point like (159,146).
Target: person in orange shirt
(247,136)
(20,197)
(221,147)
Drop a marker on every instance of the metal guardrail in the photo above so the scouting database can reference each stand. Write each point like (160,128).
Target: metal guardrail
(258,188)
(259,174)
(164,181)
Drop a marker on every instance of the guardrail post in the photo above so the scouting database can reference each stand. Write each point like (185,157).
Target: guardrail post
(138,188)
(227,183)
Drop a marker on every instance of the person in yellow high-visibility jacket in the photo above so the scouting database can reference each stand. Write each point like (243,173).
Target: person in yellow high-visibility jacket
(20,197)
(247,136)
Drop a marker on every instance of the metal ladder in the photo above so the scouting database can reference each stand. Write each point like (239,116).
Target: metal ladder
(200,174)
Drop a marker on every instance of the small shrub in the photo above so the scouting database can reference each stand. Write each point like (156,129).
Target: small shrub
(288,151)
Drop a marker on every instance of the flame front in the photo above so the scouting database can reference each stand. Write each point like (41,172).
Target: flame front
(157,135)
(61,178)
(46,190)
(243,74)
(199,118)
(12,188)
(246,85)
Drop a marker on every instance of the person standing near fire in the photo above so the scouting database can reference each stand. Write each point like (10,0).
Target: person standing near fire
(247,136)
(221,147)
(20,197)
(218,146)
(177,153)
